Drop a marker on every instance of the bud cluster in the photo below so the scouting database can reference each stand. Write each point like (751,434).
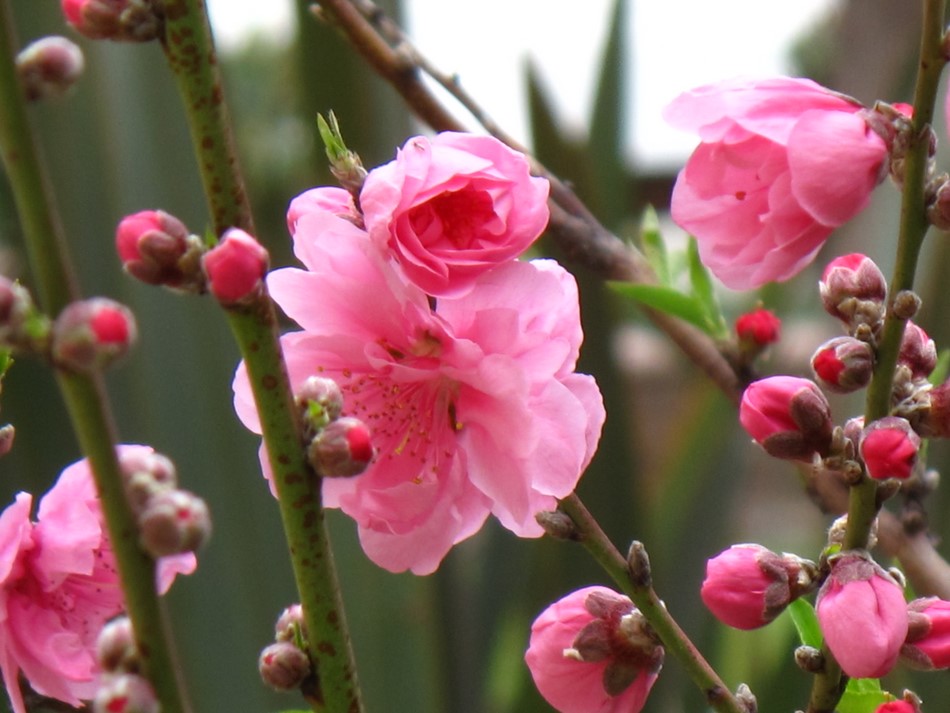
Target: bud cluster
(157,249)
(337,446)
(120,20)
(285,665)
(122,688)
(171,521)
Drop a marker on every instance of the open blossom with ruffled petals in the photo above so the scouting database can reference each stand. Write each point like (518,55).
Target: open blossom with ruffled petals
(474,406)
(782,163)
(452,207)
(863,616)
(590,653)
(58,586)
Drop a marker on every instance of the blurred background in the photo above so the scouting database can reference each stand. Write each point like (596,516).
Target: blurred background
(584,88)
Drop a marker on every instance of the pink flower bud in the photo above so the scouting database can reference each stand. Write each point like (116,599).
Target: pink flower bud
(918,351)
(91,334)
(157,249)
(283,666)
(16,314)
(49,67)
(320,400)
(290,623)
(174,521)
(897,707)
(889,448)
(747,586)
(128,20)
(844,364)
(934,422)
(145,474)
(853,289)
(115,648)
(125,693)
(788,416)
(863,616)
(343,448)
(760,327)
(591,651)
(235,267)
(928,638)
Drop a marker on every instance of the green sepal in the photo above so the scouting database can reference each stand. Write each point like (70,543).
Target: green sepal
(705,293)
(332,137)
(863,695)
(653,246)
(806,623)
(665,299)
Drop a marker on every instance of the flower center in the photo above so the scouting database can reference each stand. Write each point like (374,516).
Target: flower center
(460,217)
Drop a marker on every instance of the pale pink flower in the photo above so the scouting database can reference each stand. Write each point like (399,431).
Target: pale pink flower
(863,616)
(581,646)
(453,207)
(782,163)
(58,586)
(474,406)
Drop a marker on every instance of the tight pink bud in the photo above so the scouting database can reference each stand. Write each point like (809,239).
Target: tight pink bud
(157,249)
(759,327)
(918,352)
(853,289)
(787,416)
(928,638)
(844,364)
(91,334)
(889,448)
(145,474)
(863,616)
(115,648)
(235,267)
(174,521)
(125,693)
(283,666)
(49,67)
(320,400)
(128,20)
(747,586)
(290,623)
(897,707)
(343,448)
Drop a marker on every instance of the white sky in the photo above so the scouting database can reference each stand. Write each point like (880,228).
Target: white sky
(677,45)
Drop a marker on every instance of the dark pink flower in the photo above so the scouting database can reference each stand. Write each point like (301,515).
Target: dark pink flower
(747,586)
(782,163)
(897,707)
(58,586)
(235,266)
(928,639)
(788,416)
(589,653)
(889,448)
(863,616)
(474,406)
(453,207)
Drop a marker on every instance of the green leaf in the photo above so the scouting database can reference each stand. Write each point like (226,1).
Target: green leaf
(665,299)
(653,245)
(863,695)
(705,293)
(806,623)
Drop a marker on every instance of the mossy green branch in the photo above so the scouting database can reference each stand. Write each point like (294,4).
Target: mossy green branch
(84,396)
(298,492)
(675,641)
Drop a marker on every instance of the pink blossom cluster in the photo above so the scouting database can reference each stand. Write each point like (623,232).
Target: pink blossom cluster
(58,587)
(781,163)
(459,357)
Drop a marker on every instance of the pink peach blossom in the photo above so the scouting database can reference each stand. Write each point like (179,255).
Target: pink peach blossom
(863,616)
(782,163)
(453,207)
(575,680)
(58,586)
(788,416)
(474,406)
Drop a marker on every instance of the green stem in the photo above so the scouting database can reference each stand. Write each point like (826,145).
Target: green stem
(84,396)
(637,586)
(191,55)
(298,492)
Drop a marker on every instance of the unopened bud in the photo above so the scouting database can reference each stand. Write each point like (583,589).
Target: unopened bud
(91,334)
(290,625)
(125,693)
(843,364)
(145,474)
(124,20)
(49,67)
(889,448)
(116,651)
(156,248)
(918,352)
(320,401)
(283,666)
(21,326)
(345,165)
(557,524)
(938,211)
(7,434)
(810,659)
(906,304)
(342,449)
(788,416)
(747,699)
(173,522)
(853,289)
(638,564)
(757,329)
(235,267)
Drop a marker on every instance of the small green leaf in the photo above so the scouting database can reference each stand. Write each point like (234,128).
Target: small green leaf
(665,299)
(939,374)
(705,293)
(806,623)
(653,246)
(863,695)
